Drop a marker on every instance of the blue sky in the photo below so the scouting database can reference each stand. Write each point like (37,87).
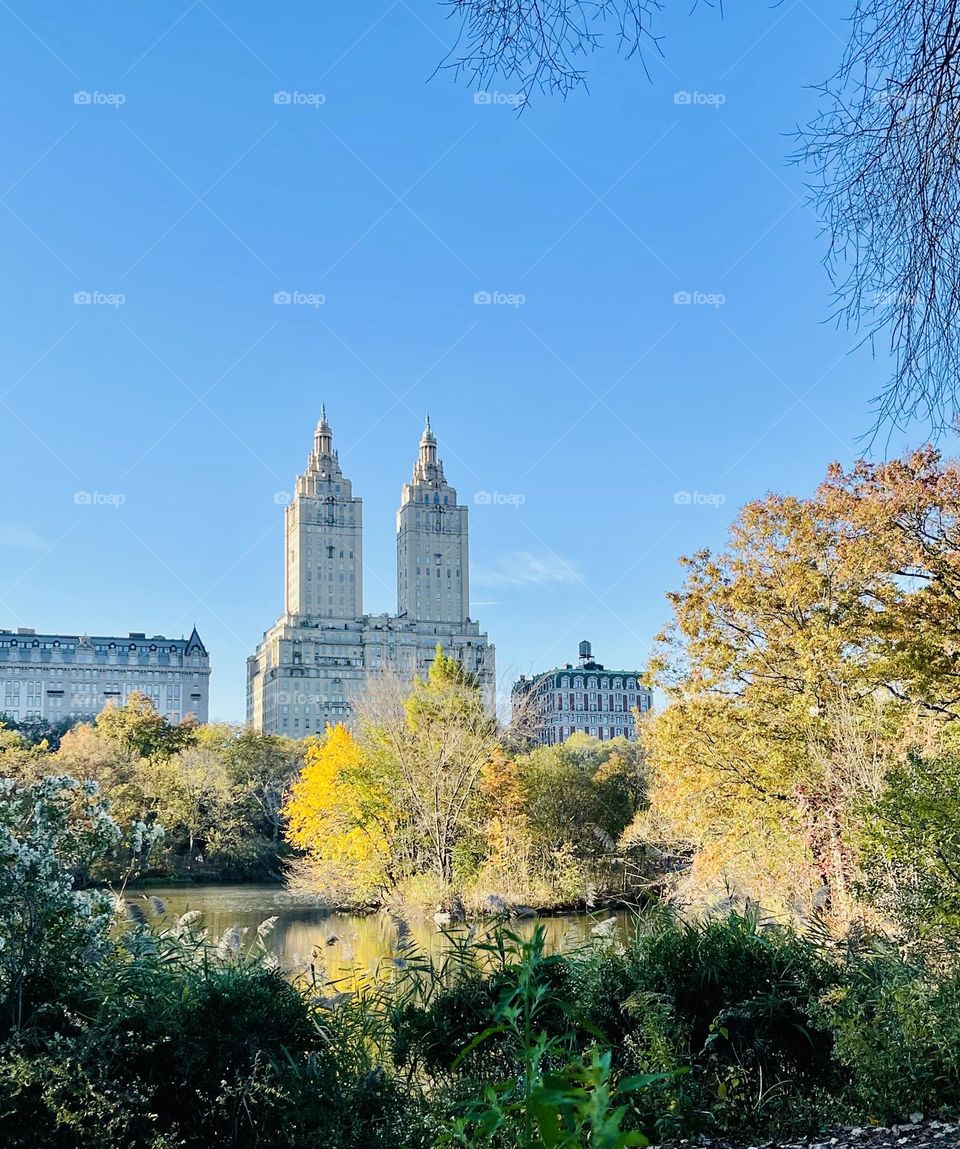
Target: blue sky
(149,167)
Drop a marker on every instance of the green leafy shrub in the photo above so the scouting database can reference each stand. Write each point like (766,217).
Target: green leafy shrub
(896,1028)
(731,997)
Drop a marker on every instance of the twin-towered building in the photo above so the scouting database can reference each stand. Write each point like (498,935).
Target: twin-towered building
(314,662)
(312,665)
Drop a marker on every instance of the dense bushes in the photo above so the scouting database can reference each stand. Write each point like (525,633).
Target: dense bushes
(117,1030)
(734,1025)
(169,1051)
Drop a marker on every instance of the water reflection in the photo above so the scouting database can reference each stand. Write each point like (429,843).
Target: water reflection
(336,944)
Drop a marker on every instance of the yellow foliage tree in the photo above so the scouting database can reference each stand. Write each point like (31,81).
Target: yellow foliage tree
(802,660)
(342,815)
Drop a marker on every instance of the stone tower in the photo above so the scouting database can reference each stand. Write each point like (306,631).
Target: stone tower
(324,537)
(432,549)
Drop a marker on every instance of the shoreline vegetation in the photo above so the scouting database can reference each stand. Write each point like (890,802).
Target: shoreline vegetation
(789,824)
(122,1027)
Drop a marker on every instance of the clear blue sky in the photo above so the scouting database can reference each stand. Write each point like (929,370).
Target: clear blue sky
(396,197)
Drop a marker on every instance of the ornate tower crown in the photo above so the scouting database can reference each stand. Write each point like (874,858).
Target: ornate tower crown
(428,467)
(324,458)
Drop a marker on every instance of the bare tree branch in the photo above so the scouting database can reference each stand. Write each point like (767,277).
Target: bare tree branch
(885,156)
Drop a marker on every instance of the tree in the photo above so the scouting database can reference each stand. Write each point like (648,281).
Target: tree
(86,752)
(910,844)
(19,757)
(885,155)
(542,46)
(39,731)
(344,815)
(139,729)
(261,769)
(49,831)
(435,740)
(190,795)
(582,792)
(802,662)
(883,151)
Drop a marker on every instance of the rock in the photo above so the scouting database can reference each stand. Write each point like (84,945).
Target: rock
(606,929)
(916,1118)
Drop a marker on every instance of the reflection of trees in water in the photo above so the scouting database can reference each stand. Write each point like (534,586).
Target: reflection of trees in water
(338,945)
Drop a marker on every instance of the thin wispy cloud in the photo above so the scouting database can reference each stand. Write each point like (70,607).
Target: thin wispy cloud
(21,537)
(524,568)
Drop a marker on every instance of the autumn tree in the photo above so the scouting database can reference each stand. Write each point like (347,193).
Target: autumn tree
(19,758)
(552,818)
(343,813)
(138,728)
(435,740)
(802,662)
(910,848)
(260,769)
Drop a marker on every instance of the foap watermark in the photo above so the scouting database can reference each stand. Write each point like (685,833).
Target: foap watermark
(99,298)
(299,298)
(498,499)
(99,498)
(897,298)
(282,498)
(699,298)
(700,99)
(903,106)
(300,99)
(699,498)
(500,298)
(504,99)
(100,99)
(298,698)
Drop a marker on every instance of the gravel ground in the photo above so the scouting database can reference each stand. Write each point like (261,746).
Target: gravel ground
(916,1132)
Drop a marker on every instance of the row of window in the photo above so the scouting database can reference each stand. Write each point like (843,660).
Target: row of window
(558,734)
(603,683)
(592,701)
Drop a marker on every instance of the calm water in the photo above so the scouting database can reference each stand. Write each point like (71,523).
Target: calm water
(340,943)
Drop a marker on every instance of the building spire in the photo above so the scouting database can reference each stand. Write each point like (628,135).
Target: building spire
(428,465)
(323,436)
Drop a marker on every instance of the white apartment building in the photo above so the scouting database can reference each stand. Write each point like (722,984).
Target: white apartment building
(68,676)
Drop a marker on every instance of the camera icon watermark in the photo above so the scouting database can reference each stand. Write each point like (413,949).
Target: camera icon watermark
(500,298)
(699,298)
(282,498)
(503,99)
(297,698)
(498,499)
(99,298)
(698,499)
(299,298)
(300,99)
(99,498)
(100,99)
(700,99)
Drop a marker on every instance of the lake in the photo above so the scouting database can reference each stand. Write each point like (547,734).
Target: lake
(306,934)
